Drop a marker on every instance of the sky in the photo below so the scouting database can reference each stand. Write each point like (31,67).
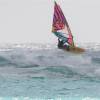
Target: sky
(30,21)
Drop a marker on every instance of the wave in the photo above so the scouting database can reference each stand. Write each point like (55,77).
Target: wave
(46,58)
(38,70)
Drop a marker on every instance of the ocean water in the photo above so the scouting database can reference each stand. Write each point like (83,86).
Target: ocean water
(43,72)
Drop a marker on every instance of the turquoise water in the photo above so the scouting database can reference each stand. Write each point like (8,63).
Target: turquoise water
(46,73)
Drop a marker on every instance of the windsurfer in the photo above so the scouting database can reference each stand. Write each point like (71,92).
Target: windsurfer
(63,45)
(60,43)
(62,30)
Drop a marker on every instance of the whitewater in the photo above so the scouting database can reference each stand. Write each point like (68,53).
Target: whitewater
(44,72)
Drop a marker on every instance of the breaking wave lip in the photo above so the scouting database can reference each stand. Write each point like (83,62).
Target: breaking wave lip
(32,46)
(38,46)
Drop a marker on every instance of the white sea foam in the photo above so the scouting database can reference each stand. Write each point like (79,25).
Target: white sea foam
(89,98)
(93,46)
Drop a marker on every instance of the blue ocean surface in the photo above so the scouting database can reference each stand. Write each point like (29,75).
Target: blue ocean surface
(43,72)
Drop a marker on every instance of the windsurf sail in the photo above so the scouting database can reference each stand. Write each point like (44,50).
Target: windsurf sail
(60,26)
